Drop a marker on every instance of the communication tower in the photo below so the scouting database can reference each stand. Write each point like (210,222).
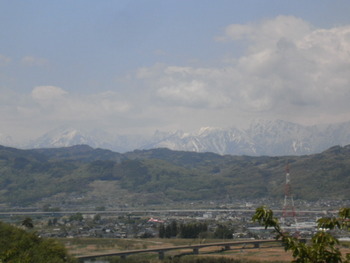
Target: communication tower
(288,213)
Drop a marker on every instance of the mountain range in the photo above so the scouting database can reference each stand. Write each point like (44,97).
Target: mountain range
(272,138)
(81,176)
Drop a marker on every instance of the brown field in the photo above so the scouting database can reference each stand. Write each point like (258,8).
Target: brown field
(271,254)
(93,246)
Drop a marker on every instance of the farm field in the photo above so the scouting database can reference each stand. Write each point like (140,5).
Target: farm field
(93,246)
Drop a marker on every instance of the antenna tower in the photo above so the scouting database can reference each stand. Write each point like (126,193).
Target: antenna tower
(288,213)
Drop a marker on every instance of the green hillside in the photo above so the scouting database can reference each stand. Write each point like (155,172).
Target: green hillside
(27,176)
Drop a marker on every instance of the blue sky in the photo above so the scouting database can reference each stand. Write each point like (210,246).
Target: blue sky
(140,66)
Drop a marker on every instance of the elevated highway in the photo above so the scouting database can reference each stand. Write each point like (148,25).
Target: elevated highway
(195,248)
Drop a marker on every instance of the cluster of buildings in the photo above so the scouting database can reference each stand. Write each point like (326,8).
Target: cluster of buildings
(145,223)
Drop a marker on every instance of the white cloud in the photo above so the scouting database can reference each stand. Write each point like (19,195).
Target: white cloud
(47,107)
(187,86)
(267,33)
(60,104)
(47,93)
(313,69)
(290,70)
(4,60)
(95,106)
(192,94)
(34,61)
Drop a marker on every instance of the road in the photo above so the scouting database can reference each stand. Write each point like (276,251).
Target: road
(195,248)
(166,211)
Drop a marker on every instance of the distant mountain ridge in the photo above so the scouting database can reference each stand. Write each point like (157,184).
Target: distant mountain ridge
(272,138)
(80,175)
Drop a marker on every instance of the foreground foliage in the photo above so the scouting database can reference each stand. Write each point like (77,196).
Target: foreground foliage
(322,247)
(19,246)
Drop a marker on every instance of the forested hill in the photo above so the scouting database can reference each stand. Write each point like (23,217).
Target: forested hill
(162,175)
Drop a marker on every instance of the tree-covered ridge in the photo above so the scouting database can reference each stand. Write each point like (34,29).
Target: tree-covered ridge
(17,245)
(27,176)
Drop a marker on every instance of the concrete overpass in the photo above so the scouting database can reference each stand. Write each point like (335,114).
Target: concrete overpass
(194,248)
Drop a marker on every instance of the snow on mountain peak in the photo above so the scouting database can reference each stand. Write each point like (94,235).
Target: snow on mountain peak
(5,139)
(261,138)
(207,130)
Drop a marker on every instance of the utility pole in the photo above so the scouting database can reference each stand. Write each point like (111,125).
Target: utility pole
(288,213)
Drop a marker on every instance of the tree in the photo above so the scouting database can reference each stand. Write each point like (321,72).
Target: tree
(322,247)
(192,230)
(162,231)
(17,245)
(224,232)
(76,217)
(173,229)
(167,231)
(97,218)
(28,222)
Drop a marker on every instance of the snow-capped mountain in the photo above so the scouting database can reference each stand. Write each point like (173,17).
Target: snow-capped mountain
(261,138)
(280,138)
(63,137)
(271,138)
(218,140)
(5,139)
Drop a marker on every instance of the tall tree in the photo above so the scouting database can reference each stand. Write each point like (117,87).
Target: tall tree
(28,222)
(173,228)
(161,231)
